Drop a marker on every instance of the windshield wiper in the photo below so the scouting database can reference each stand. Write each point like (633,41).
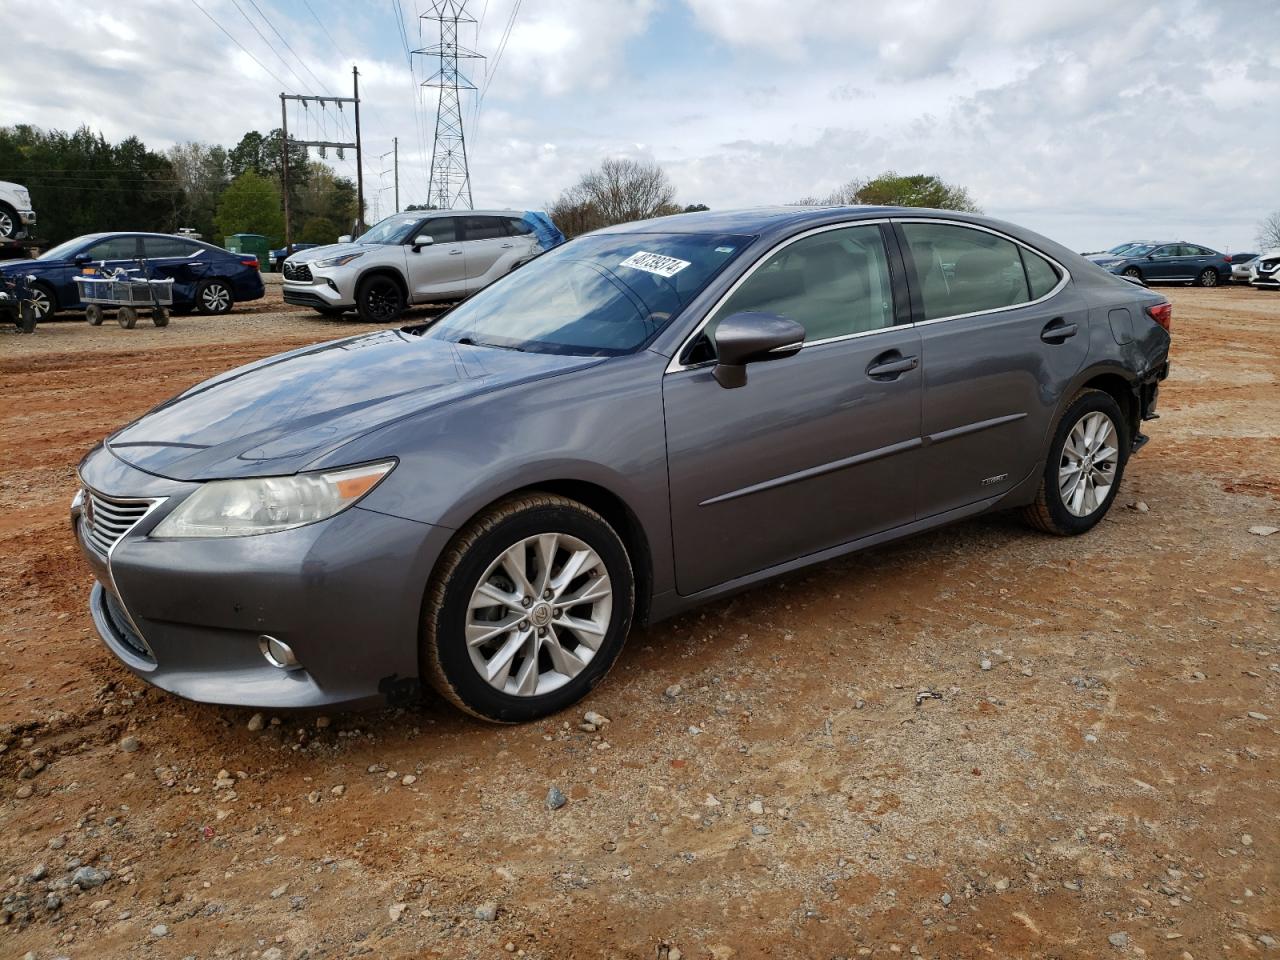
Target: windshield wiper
(468,342)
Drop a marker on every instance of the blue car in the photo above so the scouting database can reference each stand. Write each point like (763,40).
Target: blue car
(205,278)
(1177,262)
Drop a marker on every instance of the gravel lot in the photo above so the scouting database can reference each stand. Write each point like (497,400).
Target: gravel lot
(979,742)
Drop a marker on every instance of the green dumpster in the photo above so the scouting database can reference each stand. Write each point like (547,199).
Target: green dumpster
(251,243)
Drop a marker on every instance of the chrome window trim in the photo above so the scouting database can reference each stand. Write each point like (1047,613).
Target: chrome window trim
(1062,282)
(675,365)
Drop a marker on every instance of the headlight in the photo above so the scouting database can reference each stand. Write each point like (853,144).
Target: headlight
(245,508)
(341,261)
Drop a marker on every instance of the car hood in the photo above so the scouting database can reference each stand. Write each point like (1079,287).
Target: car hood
(276,416)
(14,267)
(327,251)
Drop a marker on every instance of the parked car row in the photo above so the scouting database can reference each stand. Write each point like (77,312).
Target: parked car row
(1182,262)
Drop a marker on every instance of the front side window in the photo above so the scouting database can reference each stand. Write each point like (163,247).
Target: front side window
(483,228)
(600,295)
(962,271)
(834,284)
(439,229)
(1167,251)
(115,248)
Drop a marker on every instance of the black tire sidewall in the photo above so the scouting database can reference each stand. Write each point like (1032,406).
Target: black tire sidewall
(367,288)
(200,305)
(1204,281)
(1093,401)
(452,653)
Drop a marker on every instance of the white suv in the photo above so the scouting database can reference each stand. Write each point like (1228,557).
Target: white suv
(17,219)
(1264,272)
(410,258)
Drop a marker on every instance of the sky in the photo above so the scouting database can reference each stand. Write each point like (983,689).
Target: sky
(1091,121)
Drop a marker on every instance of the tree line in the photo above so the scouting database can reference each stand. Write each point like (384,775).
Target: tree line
(82,183)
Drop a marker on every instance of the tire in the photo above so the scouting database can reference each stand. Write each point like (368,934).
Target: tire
(1207,278)
(127,317)
(160,316)
(9,223)
(213,298)
(94,314)
(1051,512)
(379,300)
(564,668)
(1133,272)
(43,301)
(26,318)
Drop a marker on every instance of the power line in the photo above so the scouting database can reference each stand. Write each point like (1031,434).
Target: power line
(320,24)
(318,81)
(497,59)
(262,37)
(269,72)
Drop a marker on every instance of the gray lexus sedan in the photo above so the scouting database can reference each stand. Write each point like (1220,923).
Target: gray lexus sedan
(643,419)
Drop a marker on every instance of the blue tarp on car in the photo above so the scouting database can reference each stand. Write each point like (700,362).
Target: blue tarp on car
(548,233)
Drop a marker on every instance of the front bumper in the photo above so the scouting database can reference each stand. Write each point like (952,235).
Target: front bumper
(187,615)
(1266,279)
(324,291)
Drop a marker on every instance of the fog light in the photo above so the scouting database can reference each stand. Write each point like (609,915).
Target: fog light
(278,653)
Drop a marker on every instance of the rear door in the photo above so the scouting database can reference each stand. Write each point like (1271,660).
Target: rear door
(438,270)
(489,249)
(1002,332)
(183,261)
(815,450)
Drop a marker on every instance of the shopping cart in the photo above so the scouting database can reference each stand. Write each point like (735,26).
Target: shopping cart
(15,302)
(126,292)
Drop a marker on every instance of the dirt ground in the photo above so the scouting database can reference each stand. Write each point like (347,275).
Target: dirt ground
(981,742)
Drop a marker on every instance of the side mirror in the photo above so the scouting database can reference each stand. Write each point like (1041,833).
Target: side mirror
(1151,256)
(422,240)
(345,238)
(80,258)
(752,337)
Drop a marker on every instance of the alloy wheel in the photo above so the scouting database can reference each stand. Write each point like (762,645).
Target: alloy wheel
(1087,470)
(7,225)
(41,305)
(216,298)
(539,614)
(1209,278)
(384,301)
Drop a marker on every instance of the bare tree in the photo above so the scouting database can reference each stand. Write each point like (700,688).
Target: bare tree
(1269,232)
(618,191)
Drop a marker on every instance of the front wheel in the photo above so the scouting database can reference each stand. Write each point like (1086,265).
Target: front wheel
(379,300)
(1083,470)
(1208,278)
(8,223)
(1133,272)
(528,609)
(213,297)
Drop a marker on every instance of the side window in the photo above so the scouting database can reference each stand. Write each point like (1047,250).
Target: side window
(1165,251)
(517,227)
(156,247)
(483,228)
(439,229)
(833,283)
(961,270)
(115,248)
(1042,276)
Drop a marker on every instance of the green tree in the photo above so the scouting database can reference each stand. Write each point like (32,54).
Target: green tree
(891,189)
(251,205)
(696,208)
(319,230)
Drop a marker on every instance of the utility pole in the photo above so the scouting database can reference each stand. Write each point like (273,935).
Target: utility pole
(284,175)
(450,182)
(355,88)
(395,149)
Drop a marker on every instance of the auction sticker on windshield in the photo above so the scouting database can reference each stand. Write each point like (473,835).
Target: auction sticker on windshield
(654,263)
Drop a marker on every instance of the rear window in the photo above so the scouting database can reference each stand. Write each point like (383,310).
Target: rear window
(156,247)
(963,271)
(517,227)
(1042,276)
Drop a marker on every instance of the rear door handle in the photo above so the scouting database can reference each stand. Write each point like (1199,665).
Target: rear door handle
(891,365)
(1057,330)
(506,246)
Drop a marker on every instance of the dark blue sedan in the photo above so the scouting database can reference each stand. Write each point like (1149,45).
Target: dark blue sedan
(205,278)
(1168,263)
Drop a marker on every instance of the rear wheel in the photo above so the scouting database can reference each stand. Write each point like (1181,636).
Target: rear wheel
(528,609)
(160,316)
(94,314)
(1083,470)
(1208,278)
(127,317)
(26,318)
(213,297)
(380,300)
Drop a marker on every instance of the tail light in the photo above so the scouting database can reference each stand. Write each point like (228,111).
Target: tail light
(249,262)
(1162,313)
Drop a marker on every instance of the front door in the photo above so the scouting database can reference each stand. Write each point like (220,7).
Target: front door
(437,270)
(122,252)
(817,449)
(1164,263)
(1001,334)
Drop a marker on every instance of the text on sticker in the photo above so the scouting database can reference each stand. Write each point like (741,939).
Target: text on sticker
(655,263)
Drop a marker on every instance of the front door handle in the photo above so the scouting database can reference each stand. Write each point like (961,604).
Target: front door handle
(506,246)
(891,365)
(455,253)
(1057,330)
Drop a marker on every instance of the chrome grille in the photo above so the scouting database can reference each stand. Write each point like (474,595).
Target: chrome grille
(297,271)
(106,520)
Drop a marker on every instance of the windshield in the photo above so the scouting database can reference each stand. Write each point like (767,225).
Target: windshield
(1122,248)
(1138,249)
(390,230)
(597,296)
(63,250)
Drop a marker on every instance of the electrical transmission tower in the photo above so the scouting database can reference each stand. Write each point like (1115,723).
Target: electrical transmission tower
(450,184)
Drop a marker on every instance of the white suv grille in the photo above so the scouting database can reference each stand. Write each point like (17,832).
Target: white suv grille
(105,519)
